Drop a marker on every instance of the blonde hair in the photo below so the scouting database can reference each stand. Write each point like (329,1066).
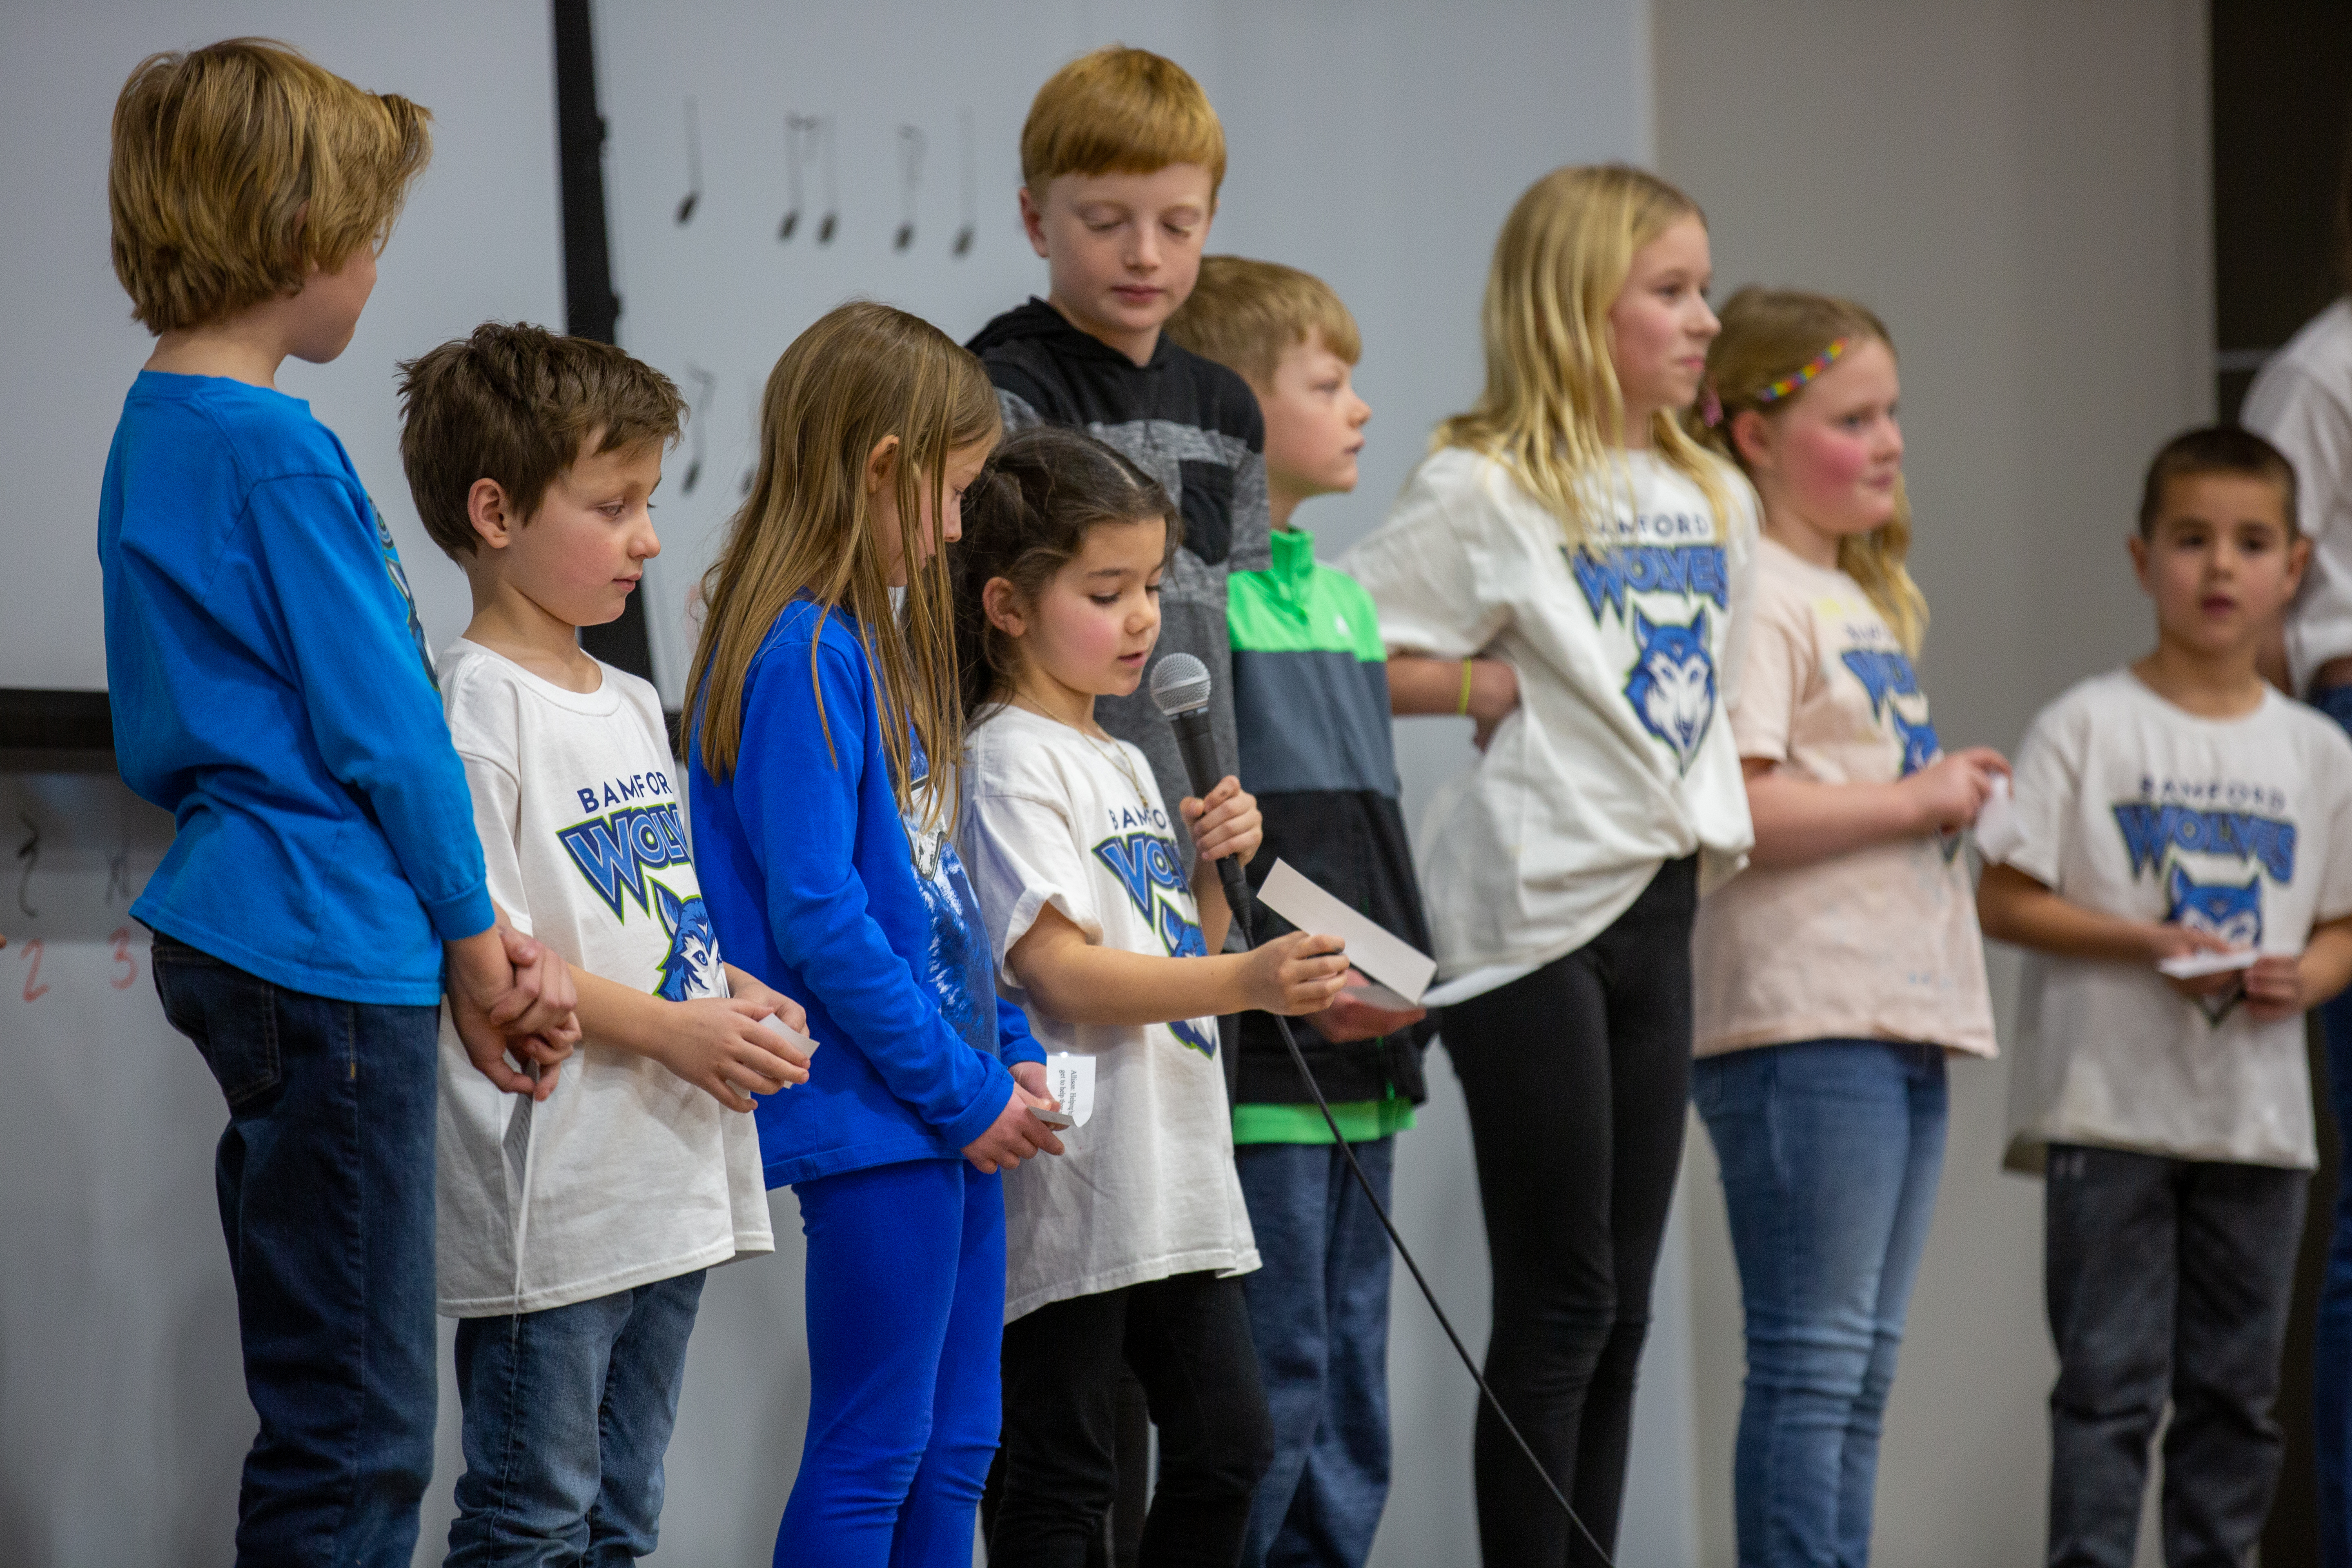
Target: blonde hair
(1770,335)
(862,374)
(238,168)
(1552,413)
(1245,314)
(1119,111)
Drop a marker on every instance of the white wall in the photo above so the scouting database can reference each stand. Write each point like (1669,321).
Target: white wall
(2019,190)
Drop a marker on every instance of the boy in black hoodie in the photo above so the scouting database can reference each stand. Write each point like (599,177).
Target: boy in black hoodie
(1120,161)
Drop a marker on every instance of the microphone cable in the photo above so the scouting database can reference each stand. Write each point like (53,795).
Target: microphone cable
(1306,1076)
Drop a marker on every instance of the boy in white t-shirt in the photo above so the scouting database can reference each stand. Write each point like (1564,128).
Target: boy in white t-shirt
(574,1234)
(2178,809)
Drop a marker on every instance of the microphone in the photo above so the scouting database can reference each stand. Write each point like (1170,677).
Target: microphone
(1180,690)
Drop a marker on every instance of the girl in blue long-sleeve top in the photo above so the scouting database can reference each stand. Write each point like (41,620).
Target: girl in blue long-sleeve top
(829,868)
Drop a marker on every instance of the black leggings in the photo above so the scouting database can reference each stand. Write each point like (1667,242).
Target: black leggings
(1577,1078)
(1187,1340)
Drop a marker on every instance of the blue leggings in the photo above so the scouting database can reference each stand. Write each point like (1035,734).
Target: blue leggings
(906,1313)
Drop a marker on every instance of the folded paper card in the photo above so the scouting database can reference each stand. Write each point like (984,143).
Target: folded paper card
(2190,965)
(1400,969)
(1999,835)
(1070,1079)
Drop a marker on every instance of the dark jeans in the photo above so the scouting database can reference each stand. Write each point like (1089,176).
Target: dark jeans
(2165,1277)
(1187,1340)
(1319,1317)
(568,1414)
(2331,1354)
(1577,1079)
(325,1182)
(1830,1151)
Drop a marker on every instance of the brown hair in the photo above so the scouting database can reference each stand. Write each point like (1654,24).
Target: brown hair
(1552,414)
(862,374)
(239,168)
(1026,519)
(2216,449)
(1245,314)
(1770,334)
(516,403)
(1119,111)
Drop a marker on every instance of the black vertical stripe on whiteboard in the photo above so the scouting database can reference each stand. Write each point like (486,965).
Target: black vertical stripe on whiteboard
(591,308)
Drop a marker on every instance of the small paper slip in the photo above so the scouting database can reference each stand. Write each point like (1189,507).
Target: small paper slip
(1070,1079)
(2189,965)
(799,1041)
(1999,837)
(1401,970)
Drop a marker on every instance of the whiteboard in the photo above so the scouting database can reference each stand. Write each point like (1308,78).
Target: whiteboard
(481,237)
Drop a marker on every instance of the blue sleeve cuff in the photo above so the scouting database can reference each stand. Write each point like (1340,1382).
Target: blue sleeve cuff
(1014,1043)
(462,915)
(984,1108)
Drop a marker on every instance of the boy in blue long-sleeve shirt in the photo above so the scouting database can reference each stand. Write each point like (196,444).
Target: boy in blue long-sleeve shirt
(270,689)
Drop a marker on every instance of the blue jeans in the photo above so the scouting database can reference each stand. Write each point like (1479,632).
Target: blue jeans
(1830,1151)
(1318,1311)
(2331,1354)
(906,1312)
(568,1413)
(324,1177)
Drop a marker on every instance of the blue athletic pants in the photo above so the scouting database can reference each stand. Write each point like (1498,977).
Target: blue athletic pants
(906,1313)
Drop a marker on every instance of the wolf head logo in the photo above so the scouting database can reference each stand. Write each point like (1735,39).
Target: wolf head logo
(690,967)
(1671,688)
(2224,910)
(1920,745)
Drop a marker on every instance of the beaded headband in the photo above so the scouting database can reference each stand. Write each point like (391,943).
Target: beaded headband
(1796,380)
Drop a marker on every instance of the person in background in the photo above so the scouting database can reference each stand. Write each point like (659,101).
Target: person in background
(2178,809)
(1566,568)
(2302,402)
(272,690)
(1311,706)
(1840,970)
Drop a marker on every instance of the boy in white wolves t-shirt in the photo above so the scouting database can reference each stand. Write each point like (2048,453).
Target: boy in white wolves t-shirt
(2174,810)
(574,1234)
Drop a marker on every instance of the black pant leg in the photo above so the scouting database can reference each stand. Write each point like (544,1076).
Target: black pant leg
(2111,1224)
(1058,1465)
(1533,1060)
(2239,1227)
(1646,970)
(1188,1339)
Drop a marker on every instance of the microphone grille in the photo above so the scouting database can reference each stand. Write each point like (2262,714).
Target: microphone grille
(1179,684)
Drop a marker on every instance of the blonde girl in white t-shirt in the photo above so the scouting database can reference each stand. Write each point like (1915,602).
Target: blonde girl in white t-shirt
(1837,972)
(1564,568)
(1129,1253)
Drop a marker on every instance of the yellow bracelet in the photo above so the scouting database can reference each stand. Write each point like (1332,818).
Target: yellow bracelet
(1461,708)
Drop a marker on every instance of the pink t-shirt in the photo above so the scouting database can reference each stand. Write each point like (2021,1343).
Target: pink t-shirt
(1878,943)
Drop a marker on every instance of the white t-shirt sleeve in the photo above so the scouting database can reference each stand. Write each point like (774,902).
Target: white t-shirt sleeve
(1422,568)
(1740,553)
(1023,855)
(483,726)
(2310,423)
(2048,778)
(2333,899)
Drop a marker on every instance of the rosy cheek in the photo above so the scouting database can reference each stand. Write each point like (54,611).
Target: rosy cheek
(1825,463)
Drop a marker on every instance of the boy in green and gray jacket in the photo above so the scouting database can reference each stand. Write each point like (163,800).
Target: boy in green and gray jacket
(1311,705)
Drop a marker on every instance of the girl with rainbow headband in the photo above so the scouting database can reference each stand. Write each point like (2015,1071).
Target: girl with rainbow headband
(1839,971)
(1564,568)
(832,875)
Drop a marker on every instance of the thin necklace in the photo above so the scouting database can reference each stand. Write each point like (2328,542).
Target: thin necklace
(1116,755)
